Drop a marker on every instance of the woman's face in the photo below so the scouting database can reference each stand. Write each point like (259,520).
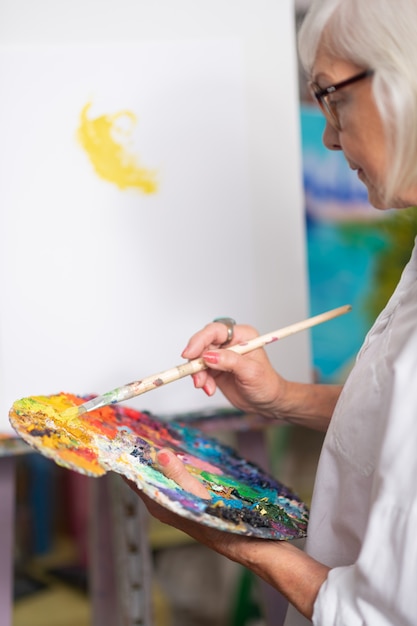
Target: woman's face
(361,137)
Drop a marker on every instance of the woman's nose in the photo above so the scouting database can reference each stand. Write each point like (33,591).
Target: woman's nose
(331,137)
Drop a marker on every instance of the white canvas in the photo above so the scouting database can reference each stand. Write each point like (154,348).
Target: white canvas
(102,285)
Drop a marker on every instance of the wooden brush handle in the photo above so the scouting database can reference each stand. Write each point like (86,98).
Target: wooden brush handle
(197,365)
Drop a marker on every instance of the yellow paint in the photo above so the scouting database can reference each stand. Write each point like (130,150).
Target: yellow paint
(38,411)
(68,442)
(106,144)
(70,458)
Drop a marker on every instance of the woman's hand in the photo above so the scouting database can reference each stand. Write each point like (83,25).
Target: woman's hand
(248,381)
(222,542)
(251,384)
(279,563)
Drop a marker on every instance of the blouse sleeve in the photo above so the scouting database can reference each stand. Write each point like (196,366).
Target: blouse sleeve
(380,589)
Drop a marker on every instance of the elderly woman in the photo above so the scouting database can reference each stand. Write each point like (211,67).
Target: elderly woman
(360,561)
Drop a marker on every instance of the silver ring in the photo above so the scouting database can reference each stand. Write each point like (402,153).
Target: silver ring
(229,323)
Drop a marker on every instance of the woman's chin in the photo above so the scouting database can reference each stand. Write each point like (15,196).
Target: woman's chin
(376,201)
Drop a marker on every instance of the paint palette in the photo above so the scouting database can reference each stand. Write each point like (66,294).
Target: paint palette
(244,499)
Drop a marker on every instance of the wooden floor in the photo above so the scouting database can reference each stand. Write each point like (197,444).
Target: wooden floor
(56,606)
(62,600)
(56,603)
(59,604)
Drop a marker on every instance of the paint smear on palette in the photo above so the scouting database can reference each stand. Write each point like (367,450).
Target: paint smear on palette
(244,499)
(105,139)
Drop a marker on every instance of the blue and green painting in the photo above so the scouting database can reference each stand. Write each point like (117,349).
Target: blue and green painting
(355,253)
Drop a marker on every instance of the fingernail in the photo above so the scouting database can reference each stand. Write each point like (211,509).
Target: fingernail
(163,458)
(211,357)
(207,390)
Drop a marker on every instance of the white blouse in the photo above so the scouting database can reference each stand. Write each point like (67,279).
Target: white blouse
(363,520)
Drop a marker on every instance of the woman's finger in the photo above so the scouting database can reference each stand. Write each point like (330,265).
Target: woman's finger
(173,468)
(214,335)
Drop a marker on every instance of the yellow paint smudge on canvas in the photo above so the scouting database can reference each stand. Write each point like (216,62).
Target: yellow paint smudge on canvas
(107,145)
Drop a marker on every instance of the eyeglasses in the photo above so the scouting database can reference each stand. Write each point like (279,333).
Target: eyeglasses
(322,95)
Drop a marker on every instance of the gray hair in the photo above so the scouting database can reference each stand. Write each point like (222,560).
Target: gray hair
(379,35)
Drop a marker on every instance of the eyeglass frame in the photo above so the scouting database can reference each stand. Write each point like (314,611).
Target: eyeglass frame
(320,93)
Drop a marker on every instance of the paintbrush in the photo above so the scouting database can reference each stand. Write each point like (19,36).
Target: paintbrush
(134,389)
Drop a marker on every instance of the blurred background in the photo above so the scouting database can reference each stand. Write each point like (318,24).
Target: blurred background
(351,257)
